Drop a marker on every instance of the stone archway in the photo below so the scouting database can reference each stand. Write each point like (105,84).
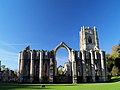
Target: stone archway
(62,44)
(66,79)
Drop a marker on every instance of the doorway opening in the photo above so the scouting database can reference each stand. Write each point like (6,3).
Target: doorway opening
(63,65)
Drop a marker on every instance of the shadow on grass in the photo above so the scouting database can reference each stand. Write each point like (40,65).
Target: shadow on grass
(14,86)
(114,80)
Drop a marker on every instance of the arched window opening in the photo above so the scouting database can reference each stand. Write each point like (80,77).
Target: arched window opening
(89,39)
(63,64)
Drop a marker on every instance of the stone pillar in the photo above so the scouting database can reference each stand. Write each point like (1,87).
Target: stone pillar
(84,38)
(29,60)
(74,74)
(92,65)
(55,66)
(80,58)
(88,65)
(96,38)
(78,63)
(32,66)
(84,66)
(98,65)
(103,66)
(81,40)
(21,66)
(51,71)
(19,61)
(41,66)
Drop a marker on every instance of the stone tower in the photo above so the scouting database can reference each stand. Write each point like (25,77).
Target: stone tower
(88,38)
(85,65)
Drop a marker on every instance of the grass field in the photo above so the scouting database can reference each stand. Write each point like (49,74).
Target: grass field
(113,85)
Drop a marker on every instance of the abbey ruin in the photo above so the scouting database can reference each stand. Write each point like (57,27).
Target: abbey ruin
(88,64)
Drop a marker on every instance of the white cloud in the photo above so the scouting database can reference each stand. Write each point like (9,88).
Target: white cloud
(7,45)
(7,55)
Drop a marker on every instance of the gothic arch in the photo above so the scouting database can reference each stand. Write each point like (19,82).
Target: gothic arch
(62,44)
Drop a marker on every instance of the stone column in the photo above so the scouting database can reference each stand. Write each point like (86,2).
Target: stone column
(103,66)
(98,65)
(19,61)
(80,58)
(41,66)
(84,66)
(78,63)
(29,60)
(51,71)
(96,38)
(32,67)
(84,38)
(92,65)
(74,74)
(55,66)
(22,66)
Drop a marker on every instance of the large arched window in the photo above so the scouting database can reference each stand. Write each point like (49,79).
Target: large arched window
(89,39)
(61,56)
(63,60)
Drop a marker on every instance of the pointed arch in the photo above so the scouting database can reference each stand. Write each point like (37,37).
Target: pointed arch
(62,44)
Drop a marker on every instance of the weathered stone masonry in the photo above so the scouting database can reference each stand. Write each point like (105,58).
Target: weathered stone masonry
(87,64)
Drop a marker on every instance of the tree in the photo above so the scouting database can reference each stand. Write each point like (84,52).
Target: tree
(115,51)
(115,71)
(3,67)
(113,59)
(117,63)
(60,70)
(110,62)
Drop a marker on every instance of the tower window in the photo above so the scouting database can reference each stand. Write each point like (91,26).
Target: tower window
(89,39)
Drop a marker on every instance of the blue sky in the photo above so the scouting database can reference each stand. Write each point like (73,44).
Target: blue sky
(43,24)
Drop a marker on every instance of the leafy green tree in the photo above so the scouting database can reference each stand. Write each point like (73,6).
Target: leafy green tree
(117,63)
(115,51)
(113,58)
(3,67)
(110,62)
(115,71)
(60,70)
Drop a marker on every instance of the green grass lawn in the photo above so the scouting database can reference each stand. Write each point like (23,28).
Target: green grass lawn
(113,85)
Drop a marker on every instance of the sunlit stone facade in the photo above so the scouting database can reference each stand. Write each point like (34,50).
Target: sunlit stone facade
(85,65)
